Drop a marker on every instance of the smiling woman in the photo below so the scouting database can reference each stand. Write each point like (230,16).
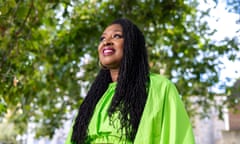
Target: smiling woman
(126,103)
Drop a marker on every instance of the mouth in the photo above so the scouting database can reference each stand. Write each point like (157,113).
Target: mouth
(108,51)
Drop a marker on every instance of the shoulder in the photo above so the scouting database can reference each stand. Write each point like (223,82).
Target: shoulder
(161,85)
(158,79)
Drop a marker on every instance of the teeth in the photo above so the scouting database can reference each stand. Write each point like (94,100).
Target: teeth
(108,51)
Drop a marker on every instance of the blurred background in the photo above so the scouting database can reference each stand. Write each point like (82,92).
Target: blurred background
(48,59)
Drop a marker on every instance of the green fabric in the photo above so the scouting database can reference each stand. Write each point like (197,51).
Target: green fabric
(164,119)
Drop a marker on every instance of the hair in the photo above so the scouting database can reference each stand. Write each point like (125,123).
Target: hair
(131,90)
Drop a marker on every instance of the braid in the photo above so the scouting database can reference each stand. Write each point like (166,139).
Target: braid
(131,95)
(86,109)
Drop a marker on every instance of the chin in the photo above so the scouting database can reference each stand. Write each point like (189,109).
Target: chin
(111,66)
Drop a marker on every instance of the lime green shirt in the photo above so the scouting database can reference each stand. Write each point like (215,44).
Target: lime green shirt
(164,119)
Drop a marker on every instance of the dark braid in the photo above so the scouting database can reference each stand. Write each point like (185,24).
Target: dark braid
(130,95)
(86,109)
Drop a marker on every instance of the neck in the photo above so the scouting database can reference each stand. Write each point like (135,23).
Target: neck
(114,74)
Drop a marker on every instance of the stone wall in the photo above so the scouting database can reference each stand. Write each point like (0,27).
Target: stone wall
(234,119)
(230,137)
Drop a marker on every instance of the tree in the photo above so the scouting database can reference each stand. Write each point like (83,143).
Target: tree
(233,6)
(48,53)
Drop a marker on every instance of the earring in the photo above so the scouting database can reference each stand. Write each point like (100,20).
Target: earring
(102,66)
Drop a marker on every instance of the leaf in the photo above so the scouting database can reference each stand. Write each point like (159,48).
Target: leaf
(12,3)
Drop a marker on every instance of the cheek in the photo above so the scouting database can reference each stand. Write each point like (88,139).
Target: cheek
(122,47)
(98,49)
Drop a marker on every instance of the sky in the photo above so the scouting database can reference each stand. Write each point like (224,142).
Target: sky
(225,23)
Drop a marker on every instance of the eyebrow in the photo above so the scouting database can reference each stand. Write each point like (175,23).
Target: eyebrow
(115,31)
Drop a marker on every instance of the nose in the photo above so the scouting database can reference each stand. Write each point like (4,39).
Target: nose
(107,41)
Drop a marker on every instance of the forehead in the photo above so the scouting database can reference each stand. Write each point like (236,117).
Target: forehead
(113,28)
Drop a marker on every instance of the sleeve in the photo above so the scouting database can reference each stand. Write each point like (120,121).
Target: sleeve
(164,120)
(176,127)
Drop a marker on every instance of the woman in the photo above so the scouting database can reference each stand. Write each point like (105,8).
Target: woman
(126,103)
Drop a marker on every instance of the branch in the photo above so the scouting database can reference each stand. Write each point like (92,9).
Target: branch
(23,23)
(11,44)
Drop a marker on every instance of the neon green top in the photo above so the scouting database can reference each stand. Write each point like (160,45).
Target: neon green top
(164,119)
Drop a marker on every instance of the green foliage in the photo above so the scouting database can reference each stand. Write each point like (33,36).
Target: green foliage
(48,53)
(3,107)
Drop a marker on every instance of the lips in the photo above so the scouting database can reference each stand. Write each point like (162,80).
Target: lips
(108,51)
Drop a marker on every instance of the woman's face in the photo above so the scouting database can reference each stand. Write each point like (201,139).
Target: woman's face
(110,49)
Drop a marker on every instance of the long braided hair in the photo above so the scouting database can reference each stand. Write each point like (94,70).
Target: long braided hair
(131,90)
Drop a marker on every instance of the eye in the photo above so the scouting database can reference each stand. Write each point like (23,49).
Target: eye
(102,38)
(117,36)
